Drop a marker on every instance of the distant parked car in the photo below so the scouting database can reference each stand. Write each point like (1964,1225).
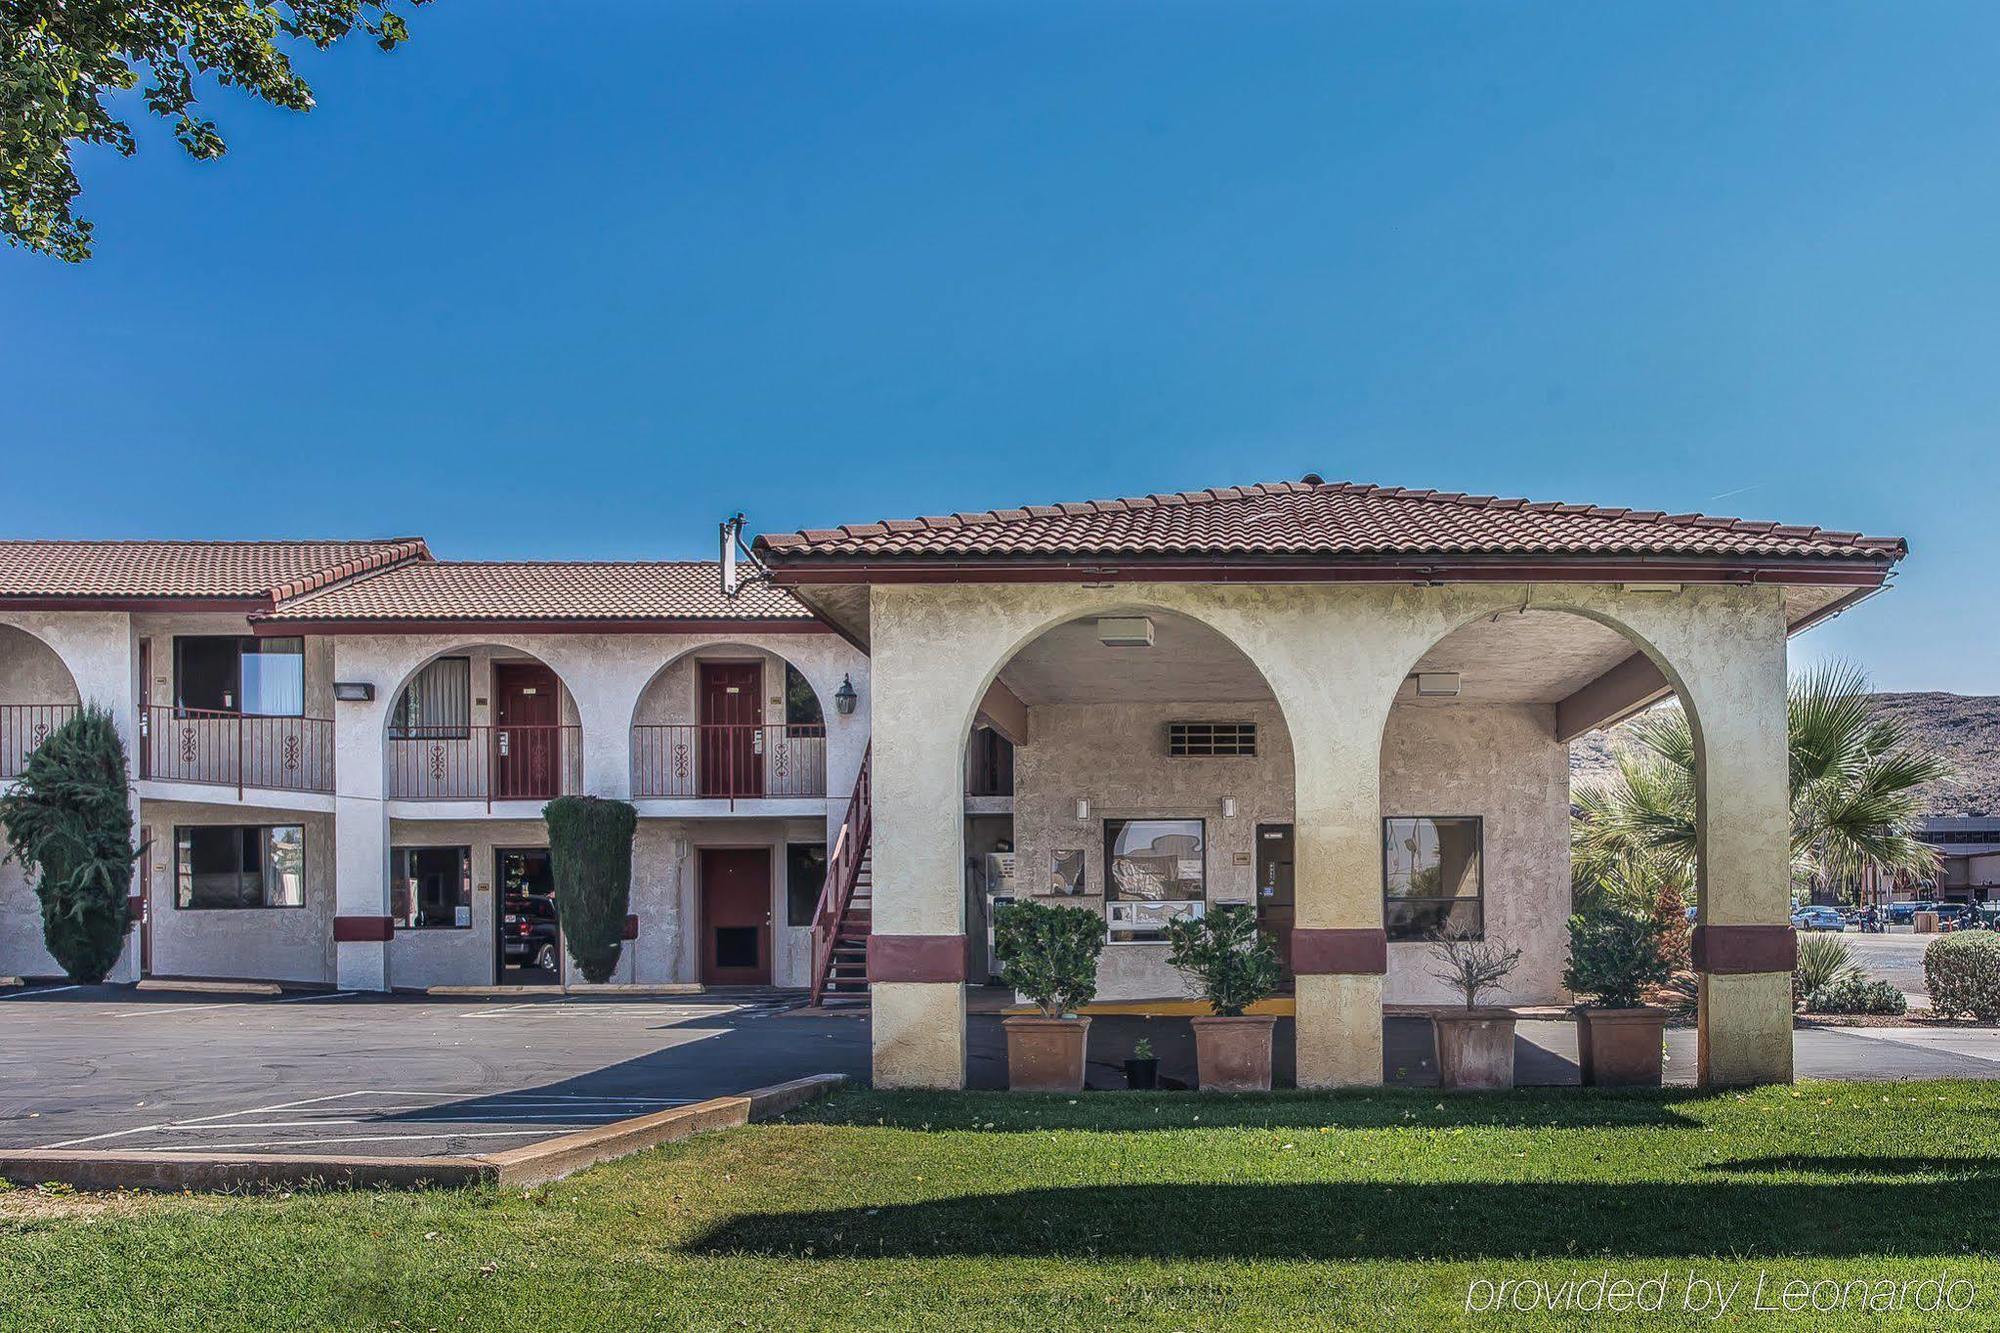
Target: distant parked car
(1817,918)
(1956,916)
(529,934)
(1901,914)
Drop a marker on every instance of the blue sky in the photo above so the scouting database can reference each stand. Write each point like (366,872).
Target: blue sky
(577,287)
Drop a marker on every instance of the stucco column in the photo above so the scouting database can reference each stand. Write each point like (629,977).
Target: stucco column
(1744,944)
(917,953)
(361,923)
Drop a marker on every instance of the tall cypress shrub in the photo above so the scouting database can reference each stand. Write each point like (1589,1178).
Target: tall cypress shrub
(590,855)
(70,827)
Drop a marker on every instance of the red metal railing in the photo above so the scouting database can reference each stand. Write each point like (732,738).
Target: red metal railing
(691,760)
(485,763)
(843,870)
(23,727)
(232,750)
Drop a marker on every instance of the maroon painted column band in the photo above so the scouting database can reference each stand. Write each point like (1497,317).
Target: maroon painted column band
(363,929)
(932,958)
(1321,952)
(1730,950)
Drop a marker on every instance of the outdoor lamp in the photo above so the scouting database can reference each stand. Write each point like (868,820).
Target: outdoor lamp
(844,697)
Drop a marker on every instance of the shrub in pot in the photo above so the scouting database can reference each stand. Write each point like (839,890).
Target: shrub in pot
(1048,954)
(1475,1046)
(1614,956)
(1962,973)
(1142,1069)
(1235,967)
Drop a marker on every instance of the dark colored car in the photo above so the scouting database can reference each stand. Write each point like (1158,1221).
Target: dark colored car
(1956,916)
(529,936)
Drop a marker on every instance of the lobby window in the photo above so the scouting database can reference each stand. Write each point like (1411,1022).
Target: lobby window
(232,674)
(430,888)
(229,866)
(1433,877)
(805,876)
(436,704)
(1154,870)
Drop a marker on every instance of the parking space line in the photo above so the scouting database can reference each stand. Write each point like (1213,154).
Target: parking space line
(365,1138)
(31,994)
(330,995)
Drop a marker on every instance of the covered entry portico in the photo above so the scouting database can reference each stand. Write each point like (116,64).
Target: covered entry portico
(1335,594)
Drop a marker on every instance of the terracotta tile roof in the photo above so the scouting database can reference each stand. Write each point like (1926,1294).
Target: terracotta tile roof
(173,571)
(535,591)
(1315,519)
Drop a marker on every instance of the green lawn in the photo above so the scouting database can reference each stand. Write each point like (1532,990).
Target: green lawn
(1176,1210)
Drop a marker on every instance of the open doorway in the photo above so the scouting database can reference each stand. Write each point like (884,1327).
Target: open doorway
(530,934)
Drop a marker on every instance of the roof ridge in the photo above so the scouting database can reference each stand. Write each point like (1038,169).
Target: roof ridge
(209,541)
(414,550)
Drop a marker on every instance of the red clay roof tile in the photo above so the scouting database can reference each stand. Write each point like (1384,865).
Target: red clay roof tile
(535,591)
(183,571)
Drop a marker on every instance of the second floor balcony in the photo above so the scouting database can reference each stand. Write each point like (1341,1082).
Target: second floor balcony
(223,749)
(519,762)
(713,761)
(23,727)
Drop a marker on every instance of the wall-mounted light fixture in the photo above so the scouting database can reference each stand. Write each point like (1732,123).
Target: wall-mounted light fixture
(1125,631)
(1437,684)
(1082,809)
(354,691)
(1229,807)
(844,697)
(1652,587)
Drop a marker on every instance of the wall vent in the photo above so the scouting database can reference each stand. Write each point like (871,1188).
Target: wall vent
(1204,740)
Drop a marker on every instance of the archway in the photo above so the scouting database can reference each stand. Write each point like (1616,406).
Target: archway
(730,721)
(1152,777)
(482,721)
(1475,789)
(37,695)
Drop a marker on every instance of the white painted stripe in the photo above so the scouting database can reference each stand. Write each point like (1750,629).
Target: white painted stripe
(301,999)
(33,994)
(365,1138)
(98,1138)
(191,1128)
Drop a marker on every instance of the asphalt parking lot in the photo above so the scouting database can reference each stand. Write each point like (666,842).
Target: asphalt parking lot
(116,1068)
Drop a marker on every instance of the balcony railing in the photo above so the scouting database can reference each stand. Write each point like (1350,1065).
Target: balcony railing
(232,750)
(689,761)
(484,763)
(23,727)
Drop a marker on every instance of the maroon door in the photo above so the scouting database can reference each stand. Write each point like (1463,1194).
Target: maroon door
(526,741)
(732,716)
(735,916)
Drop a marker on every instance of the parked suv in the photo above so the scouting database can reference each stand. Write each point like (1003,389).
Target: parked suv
(529,936)
(1817,918)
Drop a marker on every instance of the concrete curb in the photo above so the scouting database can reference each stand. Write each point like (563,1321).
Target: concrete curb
(534,1165)
(211,987)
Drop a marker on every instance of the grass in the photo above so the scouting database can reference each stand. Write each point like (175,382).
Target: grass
(1180,1211)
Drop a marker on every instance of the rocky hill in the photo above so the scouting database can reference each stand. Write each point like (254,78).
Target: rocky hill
(1965,726)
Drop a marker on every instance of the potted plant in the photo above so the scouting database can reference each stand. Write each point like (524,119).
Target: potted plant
(1613,957)
(1475,1046)
(1049,955)
(1235,967)
(1142,1070)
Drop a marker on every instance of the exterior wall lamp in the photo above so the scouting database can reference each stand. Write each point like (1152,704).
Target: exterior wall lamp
(354,691)
(844,697)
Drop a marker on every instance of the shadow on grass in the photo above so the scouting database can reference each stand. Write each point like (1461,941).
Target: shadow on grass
(1376,1108)
(1386,1220)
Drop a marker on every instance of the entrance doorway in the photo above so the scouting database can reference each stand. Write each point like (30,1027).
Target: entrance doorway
(525,731)
(736,916)
(732,719)
(1274,890)
(530,933)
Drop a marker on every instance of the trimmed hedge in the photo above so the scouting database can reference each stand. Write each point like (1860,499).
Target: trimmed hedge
(1962,971)
(590,855)
(1856,995)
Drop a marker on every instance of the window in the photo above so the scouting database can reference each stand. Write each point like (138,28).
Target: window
(1154,870)
(223,866)
(805,876)
(231,674)
(430,888)
(436,704)
(1204,740)
(802,710)
(1432,876)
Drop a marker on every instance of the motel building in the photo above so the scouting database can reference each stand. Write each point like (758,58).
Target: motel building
(1348,705)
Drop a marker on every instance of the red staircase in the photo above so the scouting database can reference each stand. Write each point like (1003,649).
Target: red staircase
(842,920)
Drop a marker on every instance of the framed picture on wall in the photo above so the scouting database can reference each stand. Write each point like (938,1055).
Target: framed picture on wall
(1066,873)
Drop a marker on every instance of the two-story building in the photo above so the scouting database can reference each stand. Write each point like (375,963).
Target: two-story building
(341,751)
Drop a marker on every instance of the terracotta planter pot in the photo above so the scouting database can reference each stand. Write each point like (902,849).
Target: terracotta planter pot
(1620,1048)
(1045,1054)
(1233,1054)
(1475,1048)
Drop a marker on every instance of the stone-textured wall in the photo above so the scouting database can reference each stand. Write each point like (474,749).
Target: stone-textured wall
(265,944)
(1498,762)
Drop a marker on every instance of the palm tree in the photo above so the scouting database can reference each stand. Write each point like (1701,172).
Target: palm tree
(1857,781)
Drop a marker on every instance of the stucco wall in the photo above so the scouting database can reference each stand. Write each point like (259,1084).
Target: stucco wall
(1498,762)
(264,944)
